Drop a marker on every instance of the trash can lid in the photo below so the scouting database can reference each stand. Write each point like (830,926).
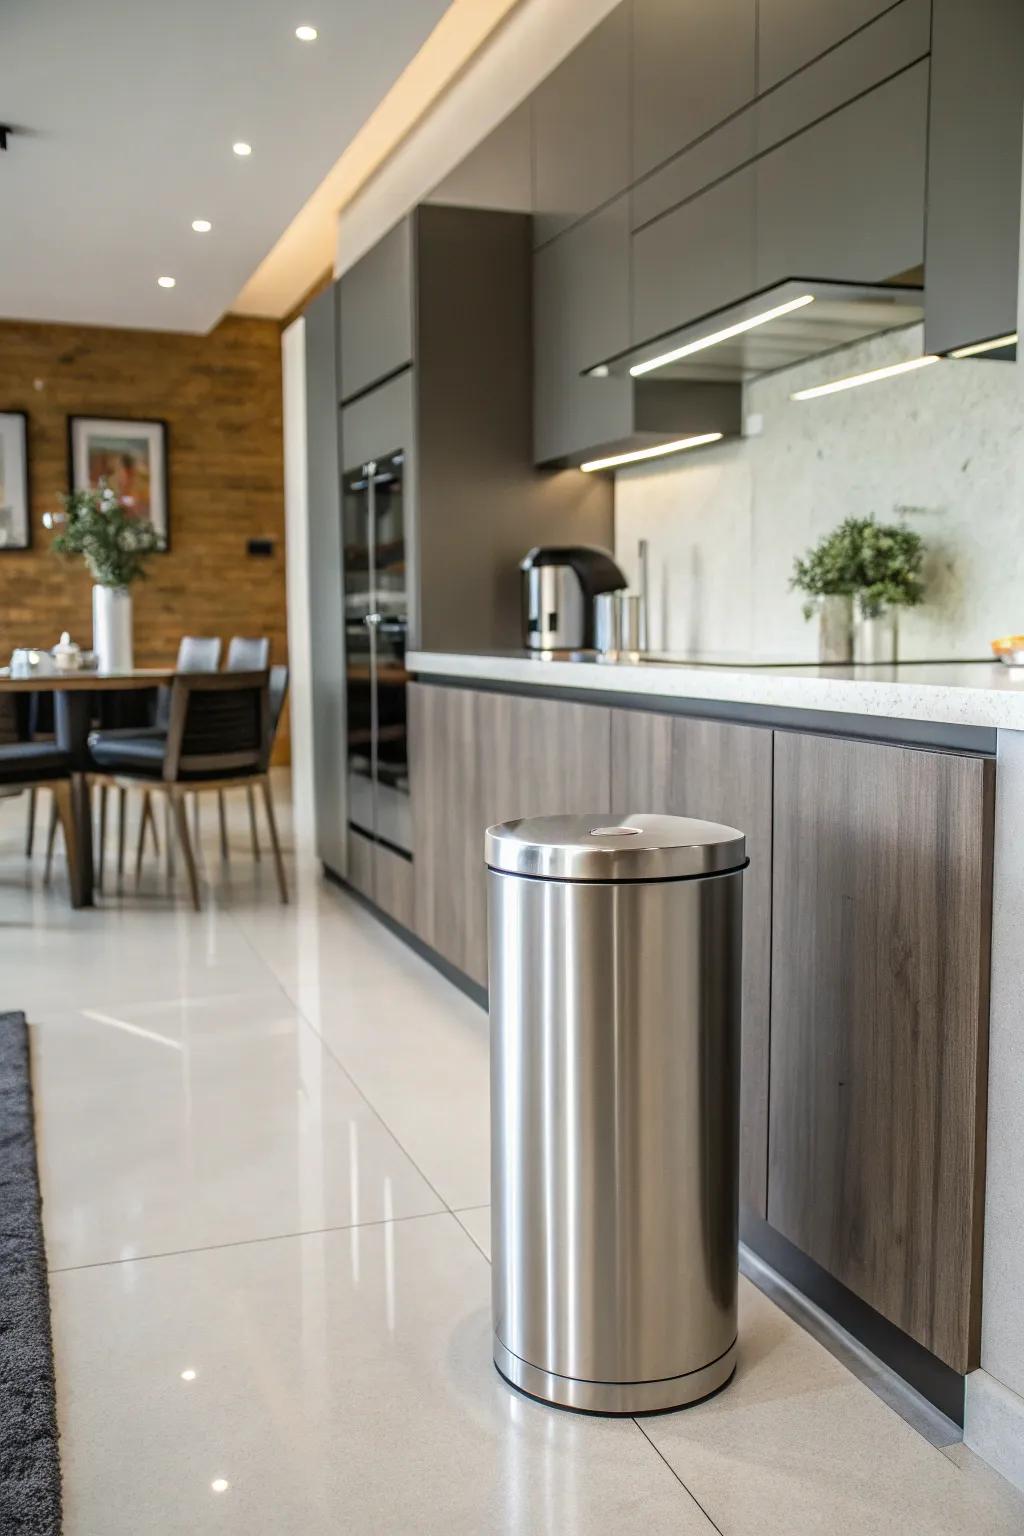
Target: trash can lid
(606,847)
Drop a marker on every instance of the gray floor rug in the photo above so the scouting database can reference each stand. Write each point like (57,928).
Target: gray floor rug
(29,1458)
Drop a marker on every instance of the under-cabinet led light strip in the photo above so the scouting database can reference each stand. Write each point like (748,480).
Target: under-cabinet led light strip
(985,346)
(854,380)
(718,336)
(652,453)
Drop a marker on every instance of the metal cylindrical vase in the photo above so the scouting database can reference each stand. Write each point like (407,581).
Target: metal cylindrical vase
(875,638)
(835,629)
(615,1013)
(112,628)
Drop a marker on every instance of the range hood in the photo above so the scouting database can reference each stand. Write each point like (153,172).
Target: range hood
(769,330)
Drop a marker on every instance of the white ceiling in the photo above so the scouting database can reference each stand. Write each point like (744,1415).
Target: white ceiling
(127,111)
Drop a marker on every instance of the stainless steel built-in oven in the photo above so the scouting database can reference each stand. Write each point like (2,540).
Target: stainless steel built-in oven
(376,631)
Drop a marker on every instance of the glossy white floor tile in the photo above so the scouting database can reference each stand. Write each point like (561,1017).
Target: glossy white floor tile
(798,1447)
(342,1384)
(416,1046)
(206,1083)
(184,1124)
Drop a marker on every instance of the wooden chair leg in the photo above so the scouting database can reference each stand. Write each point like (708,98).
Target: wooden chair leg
(253,834)
(51,838)
(181,822)
(268,800)
(169,836)
(101,851)
(196,829)
(222,816)
(66,814)
(146,814)
(30,829)
(122,806)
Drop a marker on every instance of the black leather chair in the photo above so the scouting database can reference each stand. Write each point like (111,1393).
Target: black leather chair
(219,736)
(32,765)
(245,654)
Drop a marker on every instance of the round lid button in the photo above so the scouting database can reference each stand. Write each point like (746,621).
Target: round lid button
(615,832)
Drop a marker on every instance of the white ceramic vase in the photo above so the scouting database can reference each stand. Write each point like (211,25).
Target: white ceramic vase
(835,630)
(112,628)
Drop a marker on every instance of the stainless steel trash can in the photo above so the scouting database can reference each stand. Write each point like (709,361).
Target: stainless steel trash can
(615,1010)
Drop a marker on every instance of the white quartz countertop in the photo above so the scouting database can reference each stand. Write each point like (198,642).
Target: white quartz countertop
(946,693)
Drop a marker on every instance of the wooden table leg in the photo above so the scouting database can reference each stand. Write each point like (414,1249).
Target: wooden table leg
(72,714)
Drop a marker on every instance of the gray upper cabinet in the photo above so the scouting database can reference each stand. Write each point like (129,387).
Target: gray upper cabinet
(695,259)
(581,128)
(974,172)
(846,198)
(693,66)
(790,33)
(581,315)
(375,313)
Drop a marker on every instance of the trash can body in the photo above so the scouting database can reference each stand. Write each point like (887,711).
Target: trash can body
(615,1011)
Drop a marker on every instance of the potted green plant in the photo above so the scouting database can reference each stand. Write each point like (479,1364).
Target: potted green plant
(115,546)
(856,579)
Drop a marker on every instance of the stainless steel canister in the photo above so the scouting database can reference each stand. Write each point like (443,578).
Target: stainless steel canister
(615,1012)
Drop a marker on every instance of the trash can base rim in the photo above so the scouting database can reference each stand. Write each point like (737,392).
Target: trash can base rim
(613,1399)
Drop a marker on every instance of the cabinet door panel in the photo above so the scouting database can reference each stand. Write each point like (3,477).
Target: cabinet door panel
(845,199)
(695,259)
(479,758)
(792,32)
(717,772)
(879,1018)
(693,65)
(376,312)
(327,634)
(581,315)
(581,128)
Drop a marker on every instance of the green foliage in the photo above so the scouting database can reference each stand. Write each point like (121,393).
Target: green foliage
(879,563)
(114,544)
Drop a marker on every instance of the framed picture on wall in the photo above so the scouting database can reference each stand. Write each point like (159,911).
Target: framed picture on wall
(128,456)
(15,513)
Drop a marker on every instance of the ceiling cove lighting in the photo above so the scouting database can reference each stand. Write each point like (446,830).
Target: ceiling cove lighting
(855,380)
(719,336)
(202,226)
(166,282)
(985,346)
(306,34)
(242,148)
(652,453)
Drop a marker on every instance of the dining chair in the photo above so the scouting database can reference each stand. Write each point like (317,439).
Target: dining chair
(218,737)
(40,728)
(33,765)
(245,654)
(196,653)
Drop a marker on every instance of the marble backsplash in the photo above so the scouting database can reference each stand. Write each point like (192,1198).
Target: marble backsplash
(942,447)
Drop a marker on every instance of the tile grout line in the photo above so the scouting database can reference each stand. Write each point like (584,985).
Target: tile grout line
(247,1242)
(689,1492)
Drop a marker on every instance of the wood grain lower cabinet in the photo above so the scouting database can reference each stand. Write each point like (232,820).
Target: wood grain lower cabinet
(477,758)
(717,772)
(882,874)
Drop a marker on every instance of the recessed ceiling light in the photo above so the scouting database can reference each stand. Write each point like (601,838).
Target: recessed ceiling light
(220,1485)
(202,226)
(188,1375)
(166,282)
(306,34)
(242,148)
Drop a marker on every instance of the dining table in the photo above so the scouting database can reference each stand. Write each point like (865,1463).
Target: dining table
(74,708)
